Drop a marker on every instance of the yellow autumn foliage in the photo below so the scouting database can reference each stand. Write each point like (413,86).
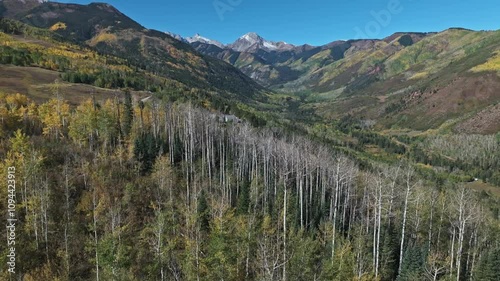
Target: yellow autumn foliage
(54,115)
(419,75)
(103,37)
(58,26)
(493,64)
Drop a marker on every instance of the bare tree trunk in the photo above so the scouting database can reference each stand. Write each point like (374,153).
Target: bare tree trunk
(335,206)
(431,221)
(405,214)
(94,215)
(66,225)
(45,206)
(284,230)
(452,252)
(379,225)
(284,227)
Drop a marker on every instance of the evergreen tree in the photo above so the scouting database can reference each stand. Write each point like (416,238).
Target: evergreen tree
(489,266)
(389,255)
(203,212)
(244,199)
(128,114)
(413,264)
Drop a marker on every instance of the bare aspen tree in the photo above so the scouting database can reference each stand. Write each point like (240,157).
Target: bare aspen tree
(94,221)
(66,215)
(464,207)
(285,200)
(394,174)
(433,200)
(410,185)
(44,206)
(342,172)
(377,223)
(435,266)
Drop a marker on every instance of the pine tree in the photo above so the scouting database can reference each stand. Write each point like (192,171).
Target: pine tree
(489,266)
(203,212)
(389,255)
(413,264)
(244,198)
(128,115)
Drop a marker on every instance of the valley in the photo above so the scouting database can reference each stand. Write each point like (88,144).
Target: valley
(143,155)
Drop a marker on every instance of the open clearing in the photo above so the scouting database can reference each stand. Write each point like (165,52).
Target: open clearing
(39,85)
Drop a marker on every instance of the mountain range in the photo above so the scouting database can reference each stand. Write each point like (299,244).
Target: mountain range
(444,80)
(415,80)
(250,43)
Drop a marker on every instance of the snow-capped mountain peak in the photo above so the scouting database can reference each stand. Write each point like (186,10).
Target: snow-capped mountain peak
(35,1)
(252,42)
(198,38)
(251,37)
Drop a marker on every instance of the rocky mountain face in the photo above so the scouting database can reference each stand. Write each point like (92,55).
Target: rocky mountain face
(248,43)
(253,43)
(176,36)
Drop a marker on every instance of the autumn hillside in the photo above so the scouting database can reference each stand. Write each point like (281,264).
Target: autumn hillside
(37,61)
(128,155)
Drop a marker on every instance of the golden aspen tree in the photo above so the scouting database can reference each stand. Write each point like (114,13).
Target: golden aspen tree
(54,115)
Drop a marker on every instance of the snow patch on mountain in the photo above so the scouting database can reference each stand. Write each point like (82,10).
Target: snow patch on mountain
(270,45)
(201,39)
(177,36)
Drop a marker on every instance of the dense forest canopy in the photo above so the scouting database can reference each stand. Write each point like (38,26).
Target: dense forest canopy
(125,190)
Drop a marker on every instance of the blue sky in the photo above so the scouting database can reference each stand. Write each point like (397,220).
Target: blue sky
(315,22)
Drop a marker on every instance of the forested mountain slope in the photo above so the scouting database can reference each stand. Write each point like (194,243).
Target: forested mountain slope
(110,32)
(162,191)
(41,64)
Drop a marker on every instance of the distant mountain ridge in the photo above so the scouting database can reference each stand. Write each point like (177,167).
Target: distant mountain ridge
(272,63)
(250,42)
(408,79)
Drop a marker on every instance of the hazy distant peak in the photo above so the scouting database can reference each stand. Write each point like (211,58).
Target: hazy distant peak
(198,38)
(177,36)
